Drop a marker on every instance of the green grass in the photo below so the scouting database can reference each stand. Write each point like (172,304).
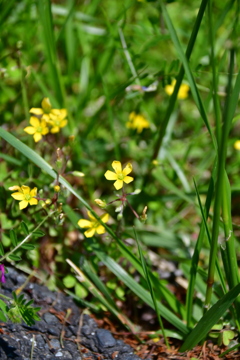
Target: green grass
(101,61)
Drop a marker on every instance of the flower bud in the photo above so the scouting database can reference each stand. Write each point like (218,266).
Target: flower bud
(143,217)
(78,173)
(57,188)
(71,138)
(48,201)
(119,217)
(46,105)
(101,203)
(136,192)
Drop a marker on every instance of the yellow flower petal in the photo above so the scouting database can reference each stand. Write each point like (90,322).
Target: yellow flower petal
(183,91)
(25,189)
(33,201)
(63,123)
(110,175)
(45,117)
(132,115)
(104,218)
(100,229)
(169,89)
(15,187)
(118,184)
(128,179)
(33,192)
(34,121)
(45,131)
(18,196)
(55,129)
(37,137)
(89,233)
(63,113)
(117,166)
(84,223)
(30,130)
(127,169)
(91,216)
(36,111)
(23,204)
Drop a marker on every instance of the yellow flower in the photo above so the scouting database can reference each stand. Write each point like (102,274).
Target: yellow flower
(93,224)
(57,120)
(25,195)
(120,175)
(138,122)
(44,111)
(237,145)
(183,90)
(55,117)
(38,128)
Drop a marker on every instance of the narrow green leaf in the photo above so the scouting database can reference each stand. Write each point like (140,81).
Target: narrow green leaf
(38,233)
(87,268)
(28,247)
(15,257)
(149,283)
(24,228)
(210,318)
(13,238)
(3,306)
(2,316)
(1,249)
(138,289)
(183,58)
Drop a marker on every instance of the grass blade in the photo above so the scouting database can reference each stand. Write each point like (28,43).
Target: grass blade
(210,318)
(149,283)
(138,289)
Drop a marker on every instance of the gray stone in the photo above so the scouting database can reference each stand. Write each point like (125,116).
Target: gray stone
(105,338)
(55,343)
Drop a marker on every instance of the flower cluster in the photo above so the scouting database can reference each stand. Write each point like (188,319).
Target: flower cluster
(120,176)
(25,195)
(183,90)
(137,122)
(45,117)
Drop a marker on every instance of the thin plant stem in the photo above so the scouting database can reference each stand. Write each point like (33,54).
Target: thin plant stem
(111,122)
(229,245)
(151,290)
(5,297)
(128,57)
(219,186)
(214,75)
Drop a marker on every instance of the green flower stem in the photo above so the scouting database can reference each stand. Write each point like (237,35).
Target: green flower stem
(214,74)
(27,237)
(128,57)
(111,121)
(231,259)
(5,297)
(173,97)
(222,151)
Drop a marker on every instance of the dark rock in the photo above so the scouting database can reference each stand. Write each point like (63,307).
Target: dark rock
(47,335)
(105,338)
